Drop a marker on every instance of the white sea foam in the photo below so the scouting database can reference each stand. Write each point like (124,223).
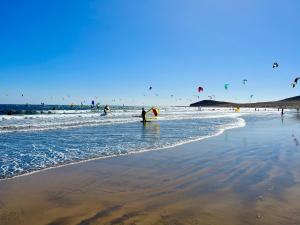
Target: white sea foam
(76,118)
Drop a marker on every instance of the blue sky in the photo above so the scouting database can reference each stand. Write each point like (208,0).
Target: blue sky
(71,51)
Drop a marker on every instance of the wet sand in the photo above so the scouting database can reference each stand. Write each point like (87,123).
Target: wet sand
(245,176)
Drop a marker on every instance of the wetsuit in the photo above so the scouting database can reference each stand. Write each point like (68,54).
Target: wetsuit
(106,109)
(144,115)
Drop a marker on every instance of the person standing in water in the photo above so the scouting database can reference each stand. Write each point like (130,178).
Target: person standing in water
(144,115)
(106,109)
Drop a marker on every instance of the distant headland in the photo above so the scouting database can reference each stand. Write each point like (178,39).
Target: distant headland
(293,102)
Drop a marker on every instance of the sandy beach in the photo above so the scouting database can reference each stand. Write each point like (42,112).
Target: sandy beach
(149,112)
(247,175)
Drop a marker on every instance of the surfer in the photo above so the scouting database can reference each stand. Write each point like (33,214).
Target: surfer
(106,109)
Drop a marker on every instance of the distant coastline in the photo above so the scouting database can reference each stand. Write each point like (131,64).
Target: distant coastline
(293,102)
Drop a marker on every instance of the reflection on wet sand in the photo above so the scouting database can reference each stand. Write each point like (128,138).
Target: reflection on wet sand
(246,176)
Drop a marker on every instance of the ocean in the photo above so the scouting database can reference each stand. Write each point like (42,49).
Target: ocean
(34,138)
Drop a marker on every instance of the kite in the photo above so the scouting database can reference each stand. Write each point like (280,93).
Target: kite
(152,113)
(275,65)
(295,82)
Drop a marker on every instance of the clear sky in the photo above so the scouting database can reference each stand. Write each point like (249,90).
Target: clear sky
(63,51)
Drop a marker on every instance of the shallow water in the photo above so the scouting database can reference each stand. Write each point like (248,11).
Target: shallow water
(33,142)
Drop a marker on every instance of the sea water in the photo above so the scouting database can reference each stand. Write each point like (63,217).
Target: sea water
(42,138)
